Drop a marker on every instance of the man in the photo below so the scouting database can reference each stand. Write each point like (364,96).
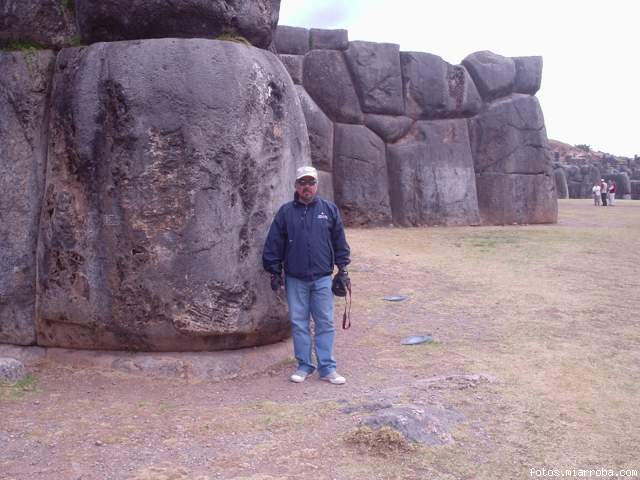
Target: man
(603,192)
(307,239)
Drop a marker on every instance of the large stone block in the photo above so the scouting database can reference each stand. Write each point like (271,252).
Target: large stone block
(293,64)
(323,39)
(528,74)
(327,80)
(48,23)
(25,79)
(360,181)
(509,136)
(506,199)
(377,76)
(562,188)
(320,130)
(113,20)
(325,185)
(493,74)
(434,88)
(387,127)
(160,190)
(431,176)
(291,40)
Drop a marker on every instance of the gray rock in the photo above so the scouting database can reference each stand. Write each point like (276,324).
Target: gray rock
(322,39)
(291,40)
(528,74)
(160,190)
(293,64)
(104,21)
(377,76)
(26,81)
(11,370)
(635,189)
(48,23)
(431,176)
(390,129)
(562,187)
(434,88)
(360,176)
(423,424)
(320,130)
(580,180)
(509,136)
(327,80)
(325,185)
(493,74)
(506,199)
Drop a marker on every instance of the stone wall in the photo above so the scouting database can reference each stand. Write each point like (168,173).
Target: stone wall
(141,170)
(409,139)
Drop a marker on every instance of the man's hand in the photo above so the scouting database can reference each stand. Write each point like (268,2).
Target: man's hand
(341,282)
(276,282)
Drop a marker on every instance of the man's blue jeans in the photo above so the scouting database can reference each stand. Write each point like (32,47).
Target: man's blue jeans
(312,299)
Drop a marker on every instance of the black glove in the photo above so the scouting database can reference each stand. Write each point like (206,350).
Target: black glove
(341,283)
(276,282)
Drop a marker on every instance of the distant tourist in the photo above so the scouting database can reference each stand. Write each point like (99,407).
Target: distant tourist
(612,192)
(603,192)
(596,194)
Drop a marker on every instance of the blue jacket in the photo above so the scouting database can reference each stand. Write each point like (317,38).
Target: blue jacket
(307,239)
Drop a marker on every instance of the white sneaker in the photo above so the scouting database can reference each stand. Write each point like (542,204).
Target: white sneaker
(299,376)
(334,378)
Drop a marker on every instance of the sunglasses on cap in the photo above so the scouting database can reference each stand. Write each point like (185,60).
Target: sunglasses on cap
(304,183)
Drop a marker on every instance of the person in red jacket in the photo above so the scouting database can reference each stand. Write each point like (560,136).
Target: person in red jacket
(612,192)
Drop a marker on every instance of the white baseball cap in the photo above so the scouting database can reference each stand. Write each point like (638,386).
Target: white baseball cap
(306,172)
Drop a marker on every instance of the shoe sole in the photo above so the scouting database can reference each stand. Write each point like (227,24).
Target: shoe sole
(297,379)
(333,382)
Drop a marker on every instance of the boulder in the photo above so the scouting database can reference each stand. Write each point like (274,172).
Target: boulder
(160,190)
(320,130)
(325,185)
(431,176)
(635,189)
(528,74)
(293,64)
(434,88)
(327,80)
(376,73)
(26,80)
(387,127)
(509,136)
(423,424)
(360,180)
(493,74)
(322,39)
(47,23)
(291,40)
(11,370)
(506,199)
(104,21)
(514,176)
(562,187)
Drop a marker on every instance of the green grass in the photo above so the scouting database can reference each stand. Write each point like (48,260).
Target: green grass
(18,389)
(23,46)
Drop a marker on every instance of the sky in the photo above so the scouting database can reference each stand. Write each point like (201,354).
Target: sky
(590,91)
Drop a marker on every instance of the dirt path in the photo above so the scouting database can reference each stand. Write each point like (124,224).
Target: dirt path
(537,347)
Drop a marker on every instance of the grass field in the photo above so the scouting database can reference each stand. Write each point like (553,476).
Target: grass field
(550,313)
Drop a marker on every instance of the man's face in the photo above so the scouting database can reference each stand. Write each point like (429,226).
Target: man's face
(307,187)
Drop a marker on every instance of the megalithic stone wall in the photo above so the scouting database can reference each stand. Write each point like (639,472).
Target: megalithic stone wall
(462,144)
(25,82)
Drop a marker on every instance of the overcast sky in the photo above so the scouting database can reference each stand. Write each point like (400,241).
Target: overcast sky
(591,76)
